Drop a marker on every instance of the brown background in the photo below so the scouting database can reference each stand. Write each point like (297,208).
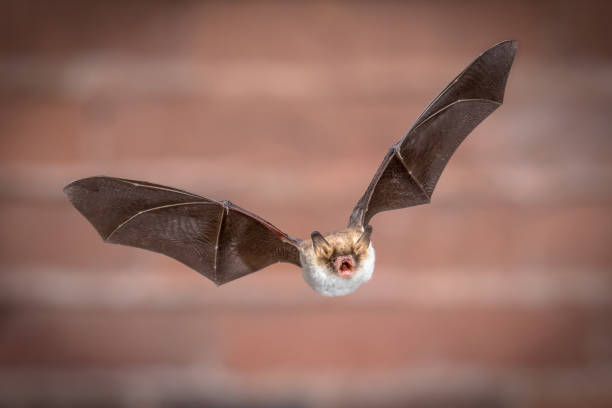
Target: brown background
(498,294)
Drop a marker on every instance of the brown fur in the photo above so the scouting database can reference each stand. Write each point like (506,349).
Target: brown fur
(348,241)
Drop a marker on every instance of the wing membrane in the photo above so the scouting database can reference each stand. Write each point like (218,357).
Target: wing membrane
(409,172)
(216,238)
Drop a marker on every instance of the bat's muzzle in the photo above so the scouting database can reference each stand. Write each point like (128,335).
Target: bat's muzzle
(344,266)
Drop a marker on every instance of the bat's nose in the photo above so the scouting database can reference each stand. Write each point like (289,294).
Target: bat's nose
(344,265)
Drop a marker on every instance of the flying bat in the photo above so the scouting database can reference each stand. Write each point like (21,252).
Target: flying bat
(223,241)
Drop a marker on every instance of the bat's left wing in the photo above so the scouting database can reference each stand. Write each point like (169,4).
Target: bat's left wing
(216,238)
(412,167)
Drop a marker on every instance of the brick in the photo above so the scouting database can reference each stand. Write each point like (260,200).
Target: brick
(68,26)
(327,338)
(599,344)
(104,340)
(574,402)
(381,339)
(54,234)
(40,132)
(341,124)
(169,29)
(200,385)
(499,236)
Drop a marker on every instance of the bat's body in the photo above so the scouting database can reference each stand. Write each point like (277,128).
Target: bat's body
(224,242)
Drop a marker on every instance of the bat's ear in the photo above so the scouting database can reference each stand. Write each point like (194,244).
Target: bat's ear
(364,239)
(321,247)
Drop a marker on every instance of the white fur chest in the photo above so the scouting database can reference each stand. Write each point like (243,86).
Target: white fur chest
(329,284)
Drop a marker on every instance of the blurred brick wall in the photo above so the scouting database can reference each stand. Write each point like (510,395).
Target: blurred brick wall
(496,295)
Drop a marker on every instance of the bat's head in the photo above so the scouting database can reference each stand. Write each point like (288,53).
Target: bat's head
(342,252)
(337,263)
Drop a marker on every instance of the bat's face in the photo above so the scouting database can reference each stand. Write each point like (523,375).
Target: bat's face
(338,263)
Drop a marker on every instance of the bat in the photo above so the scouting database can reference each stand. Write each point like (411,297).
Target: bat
(223,241)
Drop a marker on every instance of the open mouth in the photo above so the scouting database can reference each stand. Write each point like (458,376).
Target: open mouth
(344,266)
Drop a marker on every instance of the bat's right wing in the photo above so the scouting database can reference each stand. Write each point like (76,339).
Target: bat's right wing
(412,167)
(216,238)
